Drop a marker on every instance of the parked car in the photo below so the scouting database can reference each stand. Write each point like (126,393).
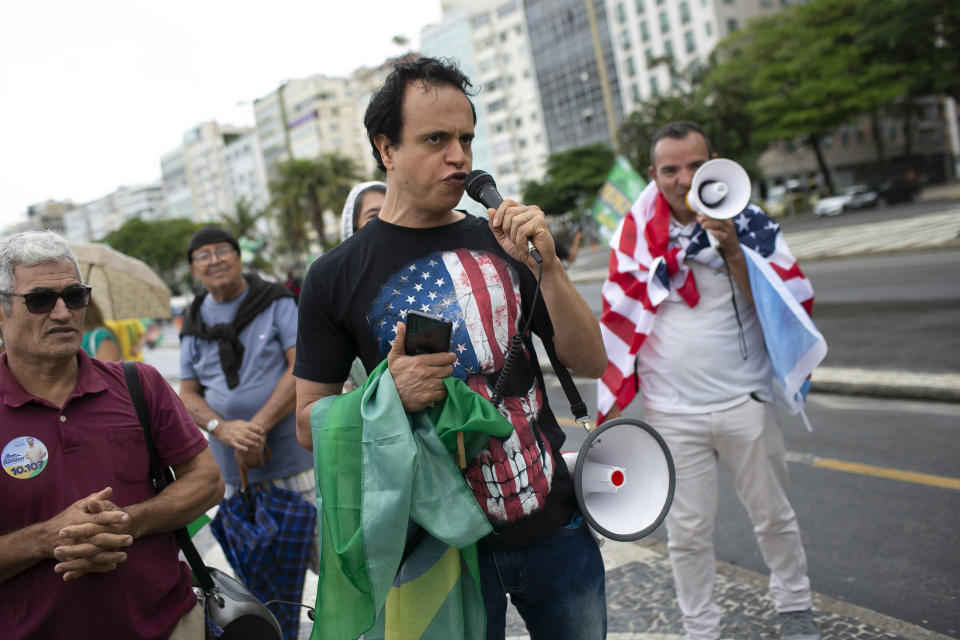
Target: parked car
(776,203)
(861,197)
(830,206)
(858,196)
(900,189)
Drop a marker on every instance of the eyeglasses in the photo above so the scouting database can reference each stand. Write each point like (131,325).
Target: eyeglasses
(75,296)
(200,257)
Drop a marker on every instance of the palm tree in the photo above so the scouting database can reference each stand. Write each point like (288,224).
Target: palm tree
(244,223)
(290,216)
(302,190)
(342,174)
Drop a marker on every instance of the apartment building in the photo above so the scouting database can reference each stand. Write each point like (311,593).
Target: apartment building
(310,117)
(923,147)
(655,40)
(245,171)
(490,42)
(91,221)
(43,215)
(197,175)
(575,70)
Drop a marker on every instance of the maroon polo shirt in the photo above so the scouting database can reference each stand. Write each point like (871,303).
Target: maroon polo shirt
(95,441)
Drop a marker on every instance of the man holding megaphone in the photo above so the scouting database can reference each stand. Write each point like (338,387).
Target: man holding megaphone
(679,315)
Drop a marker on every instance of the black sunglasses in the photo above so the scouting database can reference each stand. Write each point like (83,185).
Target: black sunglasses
(75,296)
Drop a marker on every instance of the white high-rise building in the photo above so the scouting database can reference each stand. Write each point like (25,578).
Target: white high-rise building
(686,31)
(575,72)
(489,40)
(245,172)
(93,220)
(197,175)
(305,118)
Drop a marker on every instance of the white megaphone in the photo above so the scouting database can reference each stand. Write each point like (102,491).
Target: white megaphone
(624,479)
(720,189)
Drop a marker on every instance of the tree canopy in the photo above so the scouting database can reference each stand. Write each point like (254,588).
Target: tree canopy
(814,67)
(571,180)
(162,244)
(302,190)
(801,73)
(718,109)
(243,222)
(809,69)
(921,38)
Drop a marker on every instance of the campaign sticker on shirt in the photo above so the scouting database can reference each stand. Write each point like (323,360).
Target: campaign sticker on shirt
(24,457)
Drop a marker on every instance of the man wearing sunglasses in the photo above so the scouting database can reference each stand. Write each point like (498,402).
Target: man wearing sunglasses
(83,530)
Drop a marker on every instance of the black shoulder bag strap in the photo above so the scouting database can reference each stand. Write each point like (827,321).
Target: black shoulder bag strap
(577,405)
(162,476)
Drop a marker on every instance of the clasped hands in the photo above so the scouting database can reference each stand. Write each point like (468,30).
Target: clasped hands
(248,440)
(90,535)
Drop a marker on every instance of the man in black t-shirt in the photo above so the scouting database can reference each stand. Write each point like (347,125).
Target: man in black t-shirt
(421,254)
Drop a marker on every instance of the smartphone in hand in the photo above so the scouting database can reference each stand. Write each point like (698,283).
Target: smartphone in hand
(426,333)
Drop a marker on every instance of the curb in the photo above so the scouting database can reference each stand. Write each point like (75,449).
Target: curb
(904,385)
(941,387)
(885,237)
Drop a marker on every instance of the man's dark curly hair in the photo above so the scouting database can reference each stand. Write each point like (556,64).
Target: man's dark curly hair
(385,111)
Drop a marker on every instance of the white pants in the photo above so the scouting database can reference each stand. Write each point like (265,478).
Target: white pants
(748,441)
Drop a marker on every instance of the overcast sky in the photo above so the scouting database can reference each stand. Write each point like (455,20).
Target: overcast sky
(95,91)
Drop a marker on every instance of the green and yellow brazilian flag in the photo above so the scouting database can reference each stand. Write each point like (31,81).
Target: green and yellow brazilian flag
(619,191)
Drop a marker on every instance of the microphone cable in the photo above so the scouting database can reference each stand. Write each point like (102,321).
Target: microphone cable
(736,310)
(310,610)
(516,342)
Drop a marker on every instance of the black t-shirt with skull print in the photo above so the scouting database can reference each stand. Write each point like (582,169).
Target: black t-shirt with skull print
(352,299)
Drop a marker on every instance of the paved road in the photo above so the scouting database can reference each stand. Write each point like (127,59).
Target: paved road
(876,542)
(921,227)
(876,487)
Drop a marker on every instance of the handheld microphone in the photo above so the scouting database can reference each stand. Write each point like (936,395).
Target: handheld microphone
(481,187)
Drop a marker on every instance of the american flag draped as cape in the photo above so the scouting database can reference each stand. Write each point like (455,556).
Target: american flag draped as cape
(646,265)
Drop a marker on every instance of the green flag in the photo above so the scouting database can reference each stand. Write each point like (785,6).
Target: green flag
(621,188)
(378,468)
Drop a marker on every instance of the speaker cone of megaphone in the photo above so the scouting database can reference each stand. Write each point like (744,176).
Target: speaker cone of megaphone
(624,479)
(720,189)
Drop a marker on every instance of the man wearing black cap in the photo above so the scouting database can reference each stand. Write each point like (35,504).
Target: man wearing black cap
(236,356)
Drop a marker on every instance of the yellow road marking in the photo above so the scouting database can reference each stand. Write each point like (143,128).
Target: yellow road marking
(915,477)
